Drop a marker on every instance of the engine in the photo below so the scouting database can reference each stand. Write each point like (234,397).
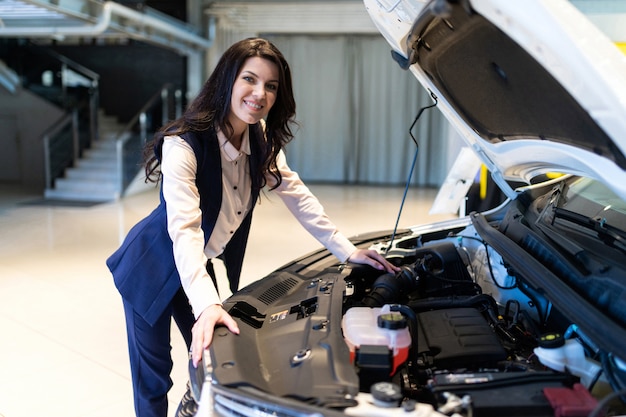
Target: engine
(451,330)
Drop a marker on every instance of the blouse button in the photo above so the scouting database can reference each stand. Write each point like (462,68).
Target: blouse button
(235,187)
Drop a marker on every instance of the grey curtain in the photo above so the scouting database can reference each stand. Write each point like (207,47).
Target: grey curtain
(355,106)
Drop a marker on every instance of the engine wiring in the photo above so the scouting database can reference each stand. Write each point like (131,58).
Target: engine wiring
(516,284)
(491,273)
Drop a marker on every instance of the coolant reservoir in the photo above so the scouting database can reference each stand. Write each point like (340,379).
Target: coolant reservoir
(567,355)
(379,327)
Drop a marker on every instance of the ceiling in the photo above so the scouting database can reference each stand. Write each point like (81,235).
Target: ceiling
(92,19)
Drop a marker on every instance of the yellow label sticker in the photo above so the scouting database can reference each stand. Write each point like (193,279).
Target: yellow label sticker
(279,316)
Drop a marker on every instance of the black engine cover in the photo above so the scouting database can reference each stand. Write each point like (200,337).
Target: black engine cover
(453,338)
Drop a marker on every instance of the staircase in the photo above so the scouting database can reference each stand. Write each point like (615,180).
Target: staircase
(94,178)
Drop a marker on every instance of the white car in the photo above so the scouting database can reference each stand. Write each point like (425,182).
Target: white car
(517,311)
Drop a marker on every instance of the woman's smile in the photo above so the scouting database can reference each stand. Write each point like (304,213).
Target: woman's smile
(253,105)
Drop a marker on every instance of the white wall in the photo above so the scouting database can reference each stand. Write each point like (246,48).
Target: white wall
(24,118)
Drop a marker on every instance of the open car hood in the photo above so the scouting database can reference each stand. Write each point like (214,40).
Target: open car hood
(532,86)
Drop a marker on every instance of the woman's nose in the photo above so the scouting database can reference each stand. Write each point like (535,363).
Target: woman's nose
(259,90)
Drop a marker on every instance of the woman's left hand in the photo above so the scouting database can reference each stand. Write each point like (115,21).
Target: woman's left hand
(372,258)
(202,330)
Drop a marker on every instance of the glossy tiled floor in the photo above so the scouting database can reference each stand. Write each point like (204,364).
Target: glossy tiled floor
(62,336)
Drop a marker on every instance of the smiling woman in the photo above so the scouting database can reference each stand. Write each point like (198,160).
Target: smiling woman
(212,162)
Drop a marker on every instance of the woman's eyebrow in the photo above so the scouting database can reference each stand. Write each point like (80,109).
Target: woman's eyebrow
(249,72)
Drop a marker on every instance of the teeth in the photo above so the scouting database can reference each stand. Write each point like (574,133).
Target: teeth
(256,106)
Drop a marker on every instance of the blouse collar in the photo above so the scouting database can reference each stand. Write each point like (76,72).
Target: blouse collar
(229,150)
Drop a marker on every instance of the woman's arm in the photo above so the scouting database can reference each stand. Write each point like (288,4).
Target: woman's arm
(310,213)
(184,223)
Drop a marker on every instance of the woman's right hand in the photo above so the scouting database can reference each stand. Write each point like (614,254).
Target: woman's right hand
(202,331)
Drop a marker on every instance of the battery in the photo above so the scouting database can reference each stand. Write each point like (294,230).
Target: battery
(496,394)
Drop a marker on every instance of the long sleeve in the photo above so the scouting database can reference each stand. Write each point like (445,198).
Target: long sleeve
(184,223)
(309,211)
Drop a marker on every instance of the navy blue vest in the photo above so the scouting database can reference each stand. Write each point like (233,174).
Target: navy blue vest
(143,267)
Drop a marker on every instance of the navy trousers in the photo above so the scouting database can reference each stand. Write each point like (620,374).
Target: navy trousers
(150,354)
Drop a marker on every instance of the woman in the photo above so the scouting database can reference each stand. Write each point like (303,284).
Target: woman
(213,161)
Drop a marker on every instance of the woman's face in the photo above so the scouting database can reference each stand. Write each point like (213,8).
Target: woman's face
(254,92)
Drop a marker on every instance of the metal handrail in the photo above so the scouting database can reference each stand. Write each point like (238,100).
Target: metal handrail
(94,79)
(9,78)
(141,120)
(159,95)
(51,134)
(92,75)
(62,148)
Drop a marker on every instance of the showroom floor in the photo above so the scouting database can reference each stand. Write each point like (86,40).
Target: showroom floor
(62,338)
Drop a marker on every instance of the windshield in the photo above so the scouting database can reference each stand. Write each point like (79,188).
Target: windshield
(595,200)
(583,216)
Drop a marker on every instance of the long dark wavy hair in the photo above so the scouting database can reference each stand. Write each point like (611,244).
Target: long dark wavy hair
(211,108)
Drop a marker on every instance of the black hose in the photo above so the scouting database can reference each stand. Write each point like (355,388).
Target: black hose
(390,288)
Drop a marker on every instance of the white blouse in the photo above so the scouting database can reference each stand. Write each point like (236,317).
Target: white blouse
(184,216)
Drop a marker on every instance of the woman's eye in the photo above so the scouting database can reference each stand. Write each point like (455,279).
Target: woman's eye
(248,79)
(272,87)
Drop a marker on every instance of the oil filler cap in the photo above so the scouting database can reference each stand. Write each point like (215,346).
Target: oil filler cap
(386,394)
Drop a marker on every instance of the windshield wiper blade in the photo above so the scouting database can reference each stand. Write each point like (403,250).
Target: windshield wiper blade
(608,234)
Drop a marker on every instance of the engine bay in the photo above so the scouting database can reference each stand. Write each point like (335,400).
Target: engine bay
(457,330)
(474,335)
